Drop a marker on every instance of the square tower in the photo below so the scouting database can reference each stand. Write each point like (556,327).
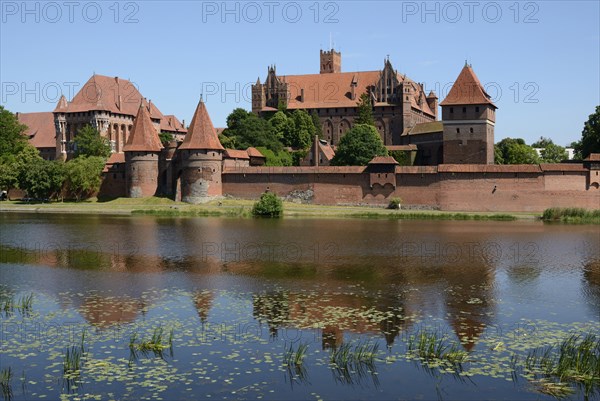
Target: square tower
(331,62)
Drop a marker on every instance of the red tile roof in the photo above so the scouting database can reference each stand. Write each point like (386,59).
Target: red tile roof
(593,157)
(236,154)
(40,129)
(392,148)
(143,137)
(253,152)
(170,123)
(489,168)
(327,150)
(201,133)
(562,167)
(383,160)
(467,90)
(334,90)
(113,94)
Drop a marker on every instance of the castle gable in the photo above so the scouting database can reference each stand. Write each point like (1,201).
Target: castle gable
(467,90)
(201,133)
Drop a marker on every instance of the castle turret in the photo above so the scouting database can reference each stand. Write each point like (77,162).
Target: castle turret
(142,152)
(469,116)
(60,122)
(432,102)
(201,159)
(331,62)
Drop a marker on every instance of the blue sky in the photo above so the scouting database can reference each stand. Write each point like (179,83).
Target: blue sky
(540,60)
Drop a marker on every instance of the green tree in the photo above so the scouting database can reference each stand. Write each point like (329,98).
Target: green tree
(300,137)
(88,142)
(255,131)
(515,151)
(365,110)
(235,118)
(317,123)
(280,158)
(43,178)
(542,142)
(269,205)
(590,136)
(360,144)
(84,175)
(281,125)
(553,153)
(12,140)
(165,137)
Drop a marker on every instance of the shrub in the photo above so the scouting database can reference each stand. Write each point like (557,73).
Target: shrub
(269,205)
(394,203)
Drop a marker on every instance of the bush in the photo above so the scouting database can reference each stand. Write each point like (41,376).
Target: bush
(394,203)
(269,205)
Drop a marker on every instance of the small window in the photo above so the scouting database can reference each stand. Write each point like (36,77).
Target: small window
(477,109)
(471,130)
(451,109)
(458,130)
(464,109)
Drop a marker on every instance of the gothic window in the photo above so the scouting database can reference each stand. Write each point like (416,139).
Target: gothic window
(471,130)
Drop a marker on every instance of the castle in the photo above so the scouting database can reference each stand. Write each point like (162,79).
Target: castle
(404,115)
(453,169)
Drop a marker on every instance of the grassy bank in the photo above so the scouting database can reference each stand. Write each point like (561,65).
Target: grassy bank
(571,215)
(238,208)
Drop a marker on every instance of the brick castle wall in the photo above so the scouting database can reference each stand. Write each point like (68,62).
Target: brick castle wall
(452,188)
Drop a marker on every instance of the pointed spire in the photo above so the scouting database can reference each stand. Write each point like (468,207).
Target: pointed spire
(143,136)
(201,133)
(62,104)
(467,90)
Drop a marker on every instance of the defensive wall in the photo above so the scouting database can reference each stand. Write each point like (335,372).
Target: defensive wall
(466,187)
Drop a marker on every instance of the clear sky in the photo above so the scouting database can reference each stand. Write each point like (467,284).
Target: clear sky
(540,60)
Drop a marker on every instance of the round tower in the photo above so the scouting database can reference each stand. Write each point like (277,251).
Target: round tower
(142,152)
(201,155)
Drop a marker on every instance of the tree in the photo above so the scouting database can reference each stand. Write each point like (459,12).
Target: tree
(553,153)
(317,123)
(590,136)
(360,144)
(255,131)
(515,151)
(84,175)
(269,205)
(235,118)
(365,110)
(281,125)
(88,142)
(281,158)
(165,137)
(43,178)
(303,131)
(12,140)
(542,142)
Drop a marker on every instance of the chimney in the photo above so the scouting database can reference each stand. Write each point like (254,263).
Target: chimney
(302,94)
(316,153)
(352,92)
(120,102)
(183,123)
(17,115)
(150,106)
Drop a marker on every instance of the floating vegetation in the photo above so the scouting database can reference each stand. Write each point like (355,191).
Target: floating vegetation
(572,215)
(23,304)
(575,360)
(5,383)
(156,344)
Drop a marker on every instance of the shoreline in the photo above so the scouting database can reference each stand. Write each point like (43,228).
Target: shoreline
(162,207)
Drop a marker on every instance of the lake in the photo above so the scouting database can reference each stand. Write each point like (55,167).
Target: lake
(101,308)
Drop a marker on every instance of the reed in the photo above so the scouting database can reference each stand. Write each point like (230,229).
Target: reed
(5,382)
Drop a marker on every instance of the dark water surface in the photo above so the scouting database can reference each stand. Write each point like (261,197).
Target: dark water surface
(237,293)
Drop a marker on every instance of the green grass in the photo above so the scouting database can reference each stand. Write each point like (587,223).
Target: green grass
(295,356)
(238,212)
(572,215)
(433,216)
(5,382)
(156,344)
(72,359)
(24,304)
(575,360)
(430,346)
